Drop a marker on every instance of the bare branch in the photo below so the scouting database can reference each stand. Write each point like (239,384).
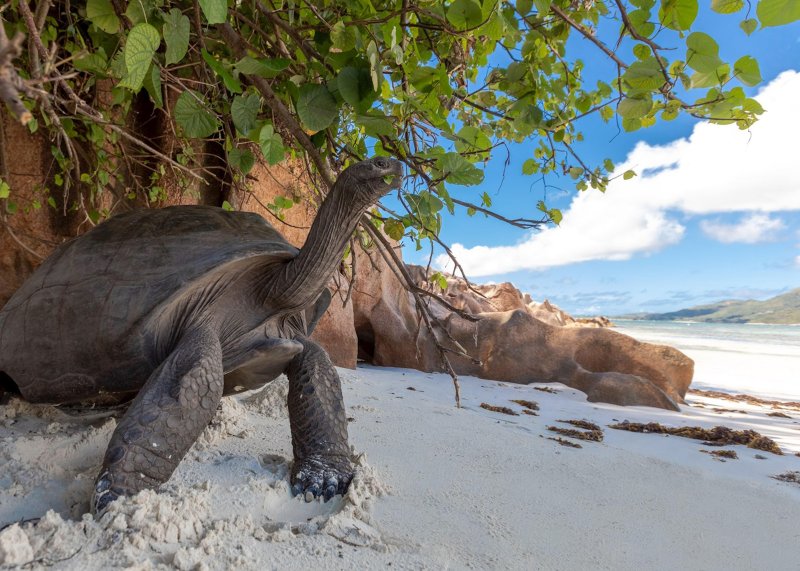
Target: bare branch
(586,33)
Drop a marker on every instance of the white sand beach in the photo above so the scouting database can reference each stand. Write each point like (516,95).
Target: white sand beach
(439,488)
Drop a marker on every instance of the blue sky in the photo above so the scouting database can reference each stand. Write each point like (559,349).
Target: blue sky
(714,214)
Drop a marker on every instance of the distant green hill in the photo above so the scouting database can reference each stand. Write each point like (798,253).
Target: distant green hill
(782,309)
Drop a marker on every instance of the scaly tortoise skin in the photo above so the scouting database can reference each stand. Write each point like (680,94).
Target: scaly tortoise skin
(172,309)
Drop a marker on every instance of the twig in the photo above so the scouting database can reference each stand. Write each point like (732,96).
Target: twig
(586,33)
(287,120)
(421,307)
(10,83)
(19,242)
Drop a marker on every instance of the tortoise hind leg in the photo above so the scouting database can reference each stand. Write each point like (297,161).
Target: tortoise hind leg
(163,421)
(319,426)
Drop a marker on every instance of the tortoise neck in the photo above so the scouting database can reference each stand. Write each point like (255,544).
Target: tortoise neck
(301,280)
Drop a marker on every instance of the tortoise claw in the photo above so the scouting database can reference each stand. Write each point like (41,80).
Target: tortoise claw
(103,495)
(319,476)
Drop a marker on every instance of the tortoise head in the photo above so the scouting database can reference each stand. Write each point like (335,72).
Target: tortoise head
(369,180)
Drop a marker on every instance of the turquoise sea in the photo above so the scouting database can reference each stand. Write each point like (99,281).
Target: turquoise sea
(762,360)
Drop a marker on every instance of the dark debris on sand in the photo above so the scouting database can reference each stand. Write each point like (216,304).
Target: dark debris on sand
(721,455)
(787,405)
(792,476)
(722,410)
(502,409)
(546,390)
(717,436)
(564,442)
(529,406)
(590,431)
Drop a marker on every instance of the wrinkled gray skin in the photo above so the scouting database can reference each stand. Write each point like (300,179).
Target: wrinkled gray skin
(173,309)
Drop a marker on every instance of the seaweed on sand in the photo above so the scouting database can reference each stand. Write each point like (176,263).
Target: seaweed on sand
(717,436)
(590,430)
(503,409)
(528,406)
(721,455)
(792,476)
(564,442)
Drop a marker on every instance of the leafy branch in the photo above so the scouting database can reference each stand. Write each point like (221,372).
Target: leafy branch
(442,86)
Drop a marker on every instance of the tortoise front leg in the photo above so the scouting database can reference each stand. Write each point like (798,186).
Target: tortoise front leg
(164,420)
(319,427)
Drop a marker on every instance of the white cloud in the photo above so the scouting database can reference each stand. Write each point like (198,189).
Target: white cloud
(750,230)
(797,261)
(715,170)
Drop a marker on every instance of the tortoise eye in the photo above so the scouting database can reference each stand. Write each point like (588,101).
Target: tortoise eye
(382,163)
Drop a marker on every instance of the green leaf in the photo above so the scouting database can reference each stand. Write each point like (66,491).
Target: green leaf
(283,203)
(644,75)
(524,6)
(227,206)
(530,166)
(702,52)
(459,170)
(777,12)
(355,86)
(629,174)
(630,125)
(635,107)
(464,14)
(678,14)
(152,83)
(344,38)
(375,69)
(241,159)
(746,69)
(375,124)
(712,78)
(140,47)
(271,145)
(316,107)
(215,11)
(727,6)
(5,190)
(749,26)
(192,115)
(394,229)
(641,51)
(471,139)
(176,36)
(439,279)
(542,6)
(101,14)
(640,19)
(555,216)
(244,111)
(140,11)
(267,68)
(219,68)
(93,63)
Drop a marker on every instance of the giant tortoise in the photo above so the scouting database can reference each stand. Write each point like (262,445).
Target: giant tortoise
(170,310)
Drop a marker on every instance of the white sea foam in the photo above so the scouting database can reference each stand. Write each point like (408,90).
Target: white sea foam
(762,360)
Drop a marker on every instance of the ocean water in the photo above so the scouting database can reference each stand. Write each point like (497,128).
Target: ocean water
(762,360)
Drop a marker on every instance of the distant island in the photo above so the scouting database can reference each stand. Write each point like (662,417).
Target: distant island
(782,309)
